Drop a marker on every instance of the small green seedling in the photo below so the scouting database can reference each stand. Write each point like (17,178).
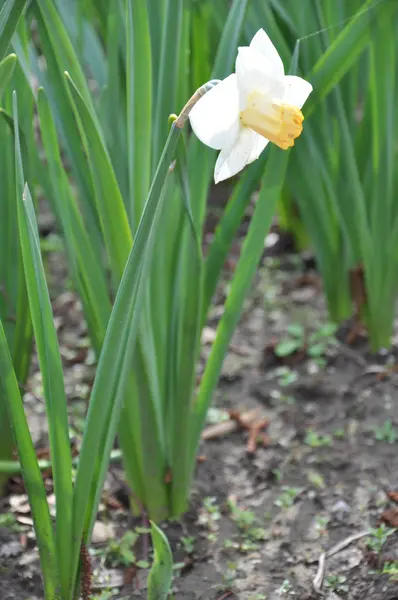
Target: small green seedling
(386,433)
(337,583)
(209,516)
(229,577)
(316,345)
(286,376)
(378,537)
(315,440)
(322,523)
(288,497)
(286,589)
(320,342)
(9,521)
(294,341)
(188,543)
(391,569)
(119,553)
(339,433)
(250,531)
(316,479)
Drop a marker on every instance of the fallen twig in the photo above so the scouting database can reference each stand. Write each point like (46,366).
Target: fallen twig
(320,574)
(378,370)
(318,579)
(346,542)
(233,424)
(255,434)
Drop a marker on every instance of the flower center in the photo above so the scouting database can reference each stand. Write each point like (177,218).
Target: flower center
(279,123)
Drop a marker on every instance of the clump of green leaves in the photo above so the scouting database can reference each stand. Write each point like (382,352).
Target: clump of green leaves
(209,517)
(316,440)
(391,569)
(9,521)
(386,433)
(119,553)
(229,577)
(286,588)
(250,531)
(287,497)
(188,543)
(286,376)
(378,537)
(314,345)
(337,583)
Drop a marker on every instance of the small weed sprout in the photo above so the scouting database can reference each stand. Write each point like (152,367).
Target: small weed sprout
(286,589)
(316,345)
(316,440)
(287,497)
(378,537)
(386,433)
(336,583)
(188,544)
(209,517)
(391,569)
(119,553)
(250,531)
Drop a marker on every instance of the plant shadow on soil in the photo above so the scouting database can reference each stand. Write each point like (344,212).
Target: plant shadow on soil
(257,524)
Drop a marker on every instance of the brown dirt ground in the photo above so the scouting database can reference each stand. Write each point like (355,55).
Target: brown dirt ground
(297,496)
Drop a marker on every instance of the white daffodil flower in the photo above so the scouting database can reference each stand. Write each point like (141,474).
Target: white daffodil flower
(255,105)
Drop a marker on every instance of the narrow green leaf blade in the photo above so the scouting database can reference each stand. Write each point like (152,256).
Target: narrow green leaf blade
(161,573)
(253,247)
(347,46)
(30,470)
(7,66)
(139,106)
(110,206)
(114,367)
(50,364)
(9,17)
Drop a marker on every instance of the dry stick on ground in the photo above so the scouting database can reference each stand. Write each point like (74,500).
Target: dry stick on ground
(318,579)
(381,372)
(233,424)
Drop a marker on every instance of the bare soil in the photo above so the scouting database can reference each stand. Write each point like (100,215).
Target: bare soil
(258,522)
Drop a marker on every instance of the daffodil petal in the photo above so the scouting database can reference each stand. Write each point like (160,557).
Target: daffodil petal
(259,144)
(255,74)
(297,90)
(215,117)
(262,43)
(234,158)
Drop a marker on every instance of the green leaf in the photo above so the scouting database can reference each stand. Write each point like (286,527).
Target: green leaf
(30,470)
(161,573)
(85,264)
(201,160)
(287,347)
(7,66)
(347,46)
(9,17)
(227,48)
(252,249)
(316,350)
(109,201)
(296,329)
(139,107)
(327,330)
(228,226)
(50,365)
(114,366)
(166,91)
